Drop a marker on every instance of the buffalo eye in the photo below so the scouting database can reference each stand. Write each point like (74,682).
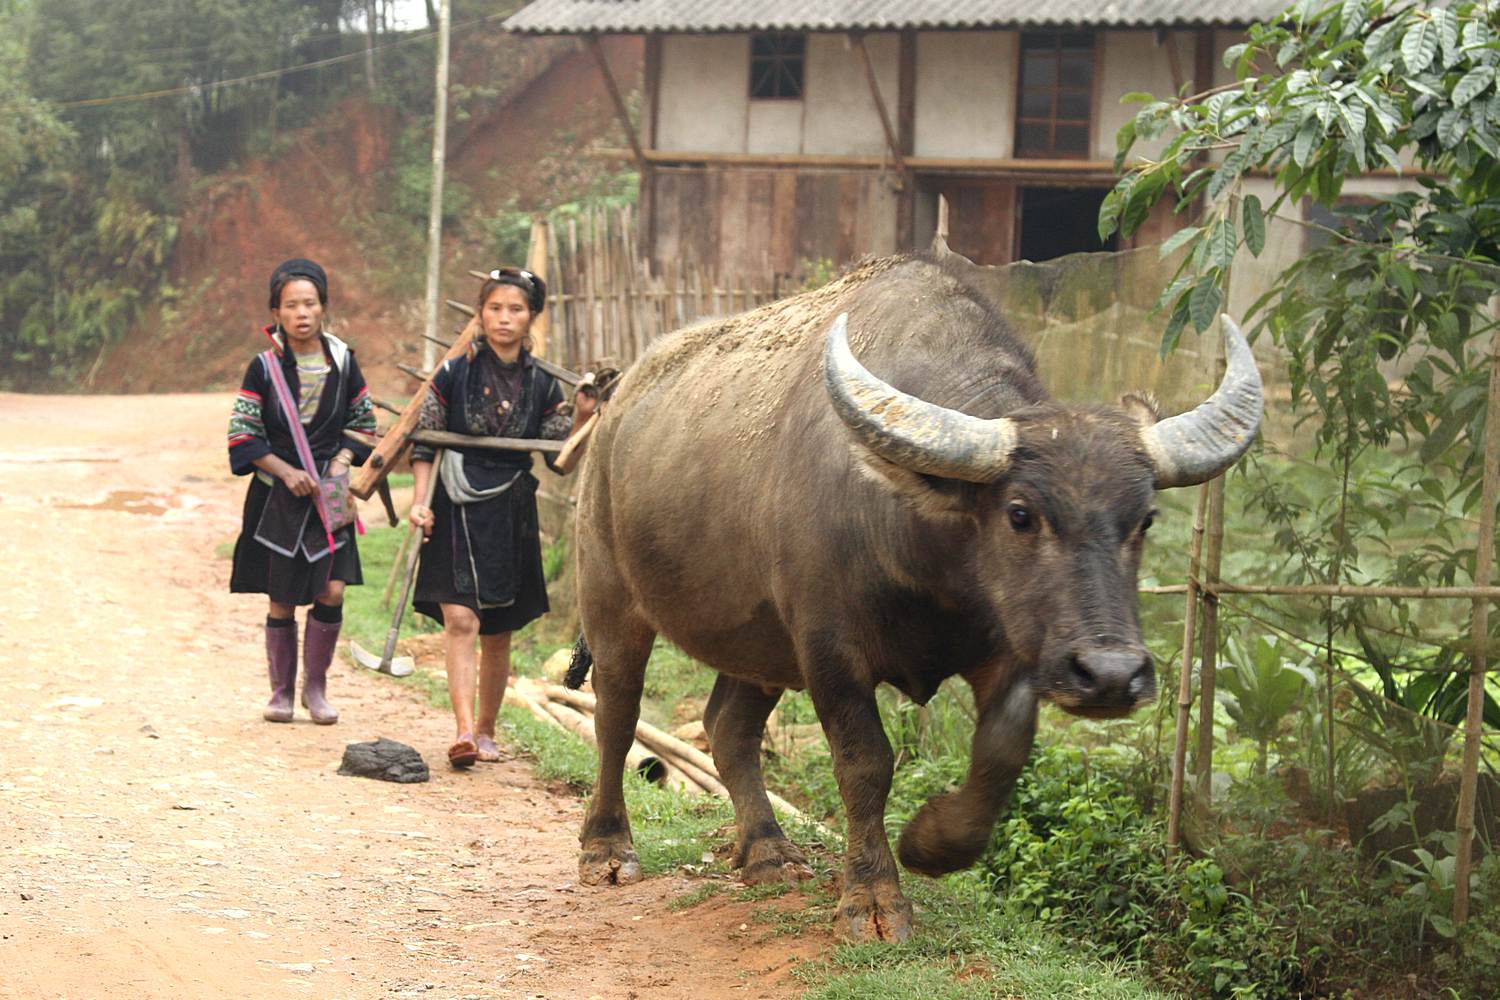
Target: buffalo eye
(1020,517)
(1147,521)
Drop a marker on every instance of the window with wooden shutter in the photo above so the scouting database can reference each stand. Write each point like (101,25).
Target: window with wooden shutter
(776,61)
(1056,94)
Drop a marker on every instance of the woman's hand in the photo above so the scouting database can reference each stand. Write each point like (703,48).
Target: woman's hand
(299,482)
(585,402)
(339,464)
(421,517)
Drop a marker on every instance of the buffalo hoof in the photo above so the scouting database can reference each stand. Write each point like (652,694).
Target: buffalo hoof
(605,862)
(771,860)
(940,839)
(880,914)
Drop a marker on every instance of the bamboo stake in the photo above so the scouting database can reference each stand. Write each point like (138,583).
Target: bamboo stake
(1332,590)
(1484,552)
(1185,681)
(1209,654)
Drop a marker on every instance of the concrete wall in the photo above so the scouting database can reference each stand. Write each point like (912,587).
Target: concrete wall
(1132,61)
(705,104)
(841,114)
(704,99)
(966,94)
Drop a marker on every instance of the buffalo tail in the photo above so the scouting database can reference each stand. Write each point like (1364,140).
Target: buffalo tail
(578,668)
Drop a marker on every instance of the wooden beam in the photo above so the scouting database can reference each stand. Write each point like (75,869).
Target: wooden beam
(906,136)
(391,447)
(448,439)
(857,39)
(1060,172)
(622,112)
(647,199)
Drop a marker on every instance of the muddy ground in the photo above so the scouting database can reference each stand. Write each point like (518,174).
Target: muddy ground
(162,841)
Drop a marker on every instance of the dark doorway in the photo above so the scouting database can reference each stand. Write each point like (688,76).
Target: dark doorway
(1058,221)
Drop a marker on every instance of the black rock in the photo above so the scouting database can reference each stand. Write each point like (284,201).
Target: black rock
(384,759)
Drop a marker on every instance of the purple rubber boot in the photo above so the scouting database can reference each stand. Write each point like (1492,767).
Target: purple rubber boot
(281,664)
(317,653)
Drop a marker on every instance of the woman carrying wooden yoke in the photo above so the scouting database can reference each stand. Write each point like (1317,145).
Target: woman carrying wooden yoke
(481,565)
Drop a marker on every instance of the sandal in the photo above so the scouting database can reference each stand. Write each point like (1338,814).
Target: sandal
(488,752)
(463,754)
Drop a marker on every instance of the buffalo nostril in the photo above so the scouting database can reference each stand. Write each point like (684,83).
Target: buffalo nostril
(1082,675)
(1143,682)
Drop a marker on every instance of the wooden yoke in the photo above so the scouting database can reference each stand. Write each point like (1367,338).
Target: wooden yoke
(393,445)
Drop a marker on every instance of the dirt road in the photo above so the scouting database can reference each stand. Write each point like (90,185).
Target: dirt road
(160,840)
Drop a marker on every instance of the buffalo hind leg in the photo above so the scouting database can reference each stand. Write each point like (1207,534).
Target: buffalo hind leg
(872,905)
(735,721)
(621,652)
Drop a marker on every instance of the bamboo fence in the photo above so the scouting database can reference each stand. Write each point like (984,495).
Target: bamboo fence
(1203,589)
(607,304)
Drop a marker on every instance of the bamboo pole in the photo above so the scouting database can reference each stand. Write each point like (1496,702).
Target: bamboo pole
(1185,680)
(1484,552)
(1331,590)
(1209,654)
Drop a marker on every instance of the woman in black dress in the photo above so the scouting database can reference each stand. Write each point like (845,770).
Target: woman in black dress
(481,568)
(283,550)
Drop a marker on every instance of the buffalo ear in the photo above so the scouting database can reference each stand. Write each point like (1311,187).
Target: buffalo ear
(1142,407)
(928,495)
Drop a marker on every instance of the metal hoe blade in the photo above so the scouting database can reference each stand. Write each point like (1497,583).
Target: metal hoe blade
(397,666)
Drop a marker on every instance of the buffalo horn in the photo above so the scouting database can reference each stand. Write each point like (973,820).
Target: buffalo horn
(1196,446)
(907,431)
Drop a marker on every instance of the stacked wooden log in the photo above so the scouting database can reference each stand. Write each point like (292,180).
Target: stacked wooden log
(656,755)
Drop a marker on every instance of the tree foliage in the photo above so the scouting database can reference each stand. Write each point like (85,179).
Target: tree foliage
(1387,325)
(91,193)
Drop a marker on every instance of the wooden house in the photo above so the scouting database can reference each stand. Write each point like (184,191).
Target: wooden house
(785,132)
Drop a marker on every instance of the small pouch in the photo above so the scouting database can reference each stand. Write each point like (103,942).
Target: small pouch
(338,501)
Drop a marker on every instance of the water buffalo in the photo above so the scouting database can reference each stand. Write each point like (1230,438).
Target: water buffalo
(757,496)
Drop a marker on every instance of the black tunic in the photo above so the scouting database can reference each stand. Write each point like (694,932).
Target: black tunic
(487,555)
(282,550)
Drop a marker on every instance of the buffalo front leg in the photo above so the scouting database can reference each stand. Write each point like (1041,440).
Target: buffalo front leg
(951,830)
(735,721)
(620,657)
(872,905)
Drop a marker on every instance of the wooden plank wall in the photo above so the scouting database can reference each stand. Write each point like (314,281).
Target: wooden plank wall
(781,220)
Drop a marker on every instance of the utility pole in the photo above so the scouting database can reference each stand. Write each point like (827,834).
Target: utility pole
(370,28)
(435,205)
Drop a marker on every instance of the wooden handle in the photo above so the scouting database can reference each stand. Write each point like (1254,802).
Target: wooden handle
(572,449)
(395,442)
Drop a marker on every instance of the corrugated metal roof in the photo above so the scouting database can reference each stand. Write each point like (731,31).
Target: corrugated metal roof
(572,17)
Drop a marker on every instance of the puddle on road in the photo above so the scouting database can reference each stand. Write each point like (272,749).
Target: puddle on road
(129,501)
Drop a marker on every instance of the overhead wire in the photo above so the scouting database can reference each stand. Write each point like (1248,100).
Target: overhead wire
(198,88)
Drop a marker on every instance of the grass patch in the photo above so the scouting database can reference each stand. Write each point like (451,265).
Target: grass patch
(966,948)
(704,892)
